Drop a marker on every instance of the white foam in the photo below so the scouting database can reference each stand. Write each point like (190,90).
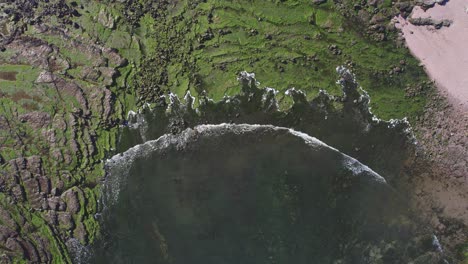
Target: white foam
(122,163)
(189,99)
(131,114)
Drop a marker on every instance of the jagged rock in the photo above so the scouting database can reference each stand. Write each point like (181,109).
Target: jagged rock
(36,119)
(42,248)
(59,122)
(13,245)
(108,74)
(41,28)
(31,186)
(80,233)
(12,177)
(62,206)
(56,63)
(223,32)
(348,84)
(107,104)
(378,18)
(6,232)
(7,220)
(32,50)
(208,35)
(90,73)
(65,220)
(57,155)
(34,164)
(3,175)
(405,8)
(334,49)
(425,4)
(5,259)
(73,90)
(50,136)
(427,21)
(45,77)
(30,251)
(74,146)
(18,163)
(18,193)
(71,199)
(106,19)
(115,60)
(25,175)
(44,184)
(101,102)
(54,191)
(51,217)
(54,203)
(100,61)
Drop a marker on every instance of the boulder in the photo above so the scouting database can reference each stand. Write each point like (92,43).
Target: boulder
(34,163)
(71,199)
(45,77)
(44,184)
(5,233)
(65,220)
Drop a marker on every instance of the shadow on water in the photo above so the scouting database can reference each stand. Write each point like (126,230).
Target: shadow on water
(343,122)
(248,194)
(260,194)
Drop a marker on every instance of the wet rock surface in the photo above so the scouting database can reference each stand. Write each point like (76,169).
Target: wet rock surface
(76,77)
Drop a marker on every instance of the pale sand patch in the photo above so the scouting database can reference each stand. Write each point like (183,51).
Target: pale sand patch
(443,52)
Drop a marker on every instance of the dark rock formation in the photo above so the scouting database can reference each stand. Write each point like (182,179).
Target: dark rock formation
(36,119)
(427,21)
(71,199)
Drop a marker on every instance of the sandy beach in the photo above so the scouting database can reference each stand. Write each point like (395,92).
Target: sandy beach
(440,187)
(444,51)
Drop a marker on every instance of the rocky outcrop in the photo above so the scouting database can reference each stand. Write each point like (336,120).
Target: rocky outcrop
(30,247)
(36,119)
(426,4)
(49,137)
(31,50)
(71,199)
(427,21)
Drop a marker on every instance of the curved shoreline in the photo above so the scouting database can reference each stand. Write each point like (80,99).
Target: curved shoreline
(123,161)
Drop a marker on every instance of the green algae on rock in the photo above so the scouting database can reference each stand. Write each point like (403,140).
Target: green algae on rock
(82,65)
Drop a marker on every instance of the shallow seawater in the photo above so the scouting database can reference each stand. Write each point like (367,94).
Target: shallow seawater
(244,194)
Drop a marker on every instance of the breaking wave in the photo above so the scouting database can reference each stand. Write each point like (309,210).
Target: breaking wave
(120,165)
(187,184)
(211,188)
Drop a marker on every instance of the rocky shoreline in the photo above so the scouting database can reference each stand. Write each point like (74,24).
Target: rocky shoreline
(440,168)
(440,172)
(66,90)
